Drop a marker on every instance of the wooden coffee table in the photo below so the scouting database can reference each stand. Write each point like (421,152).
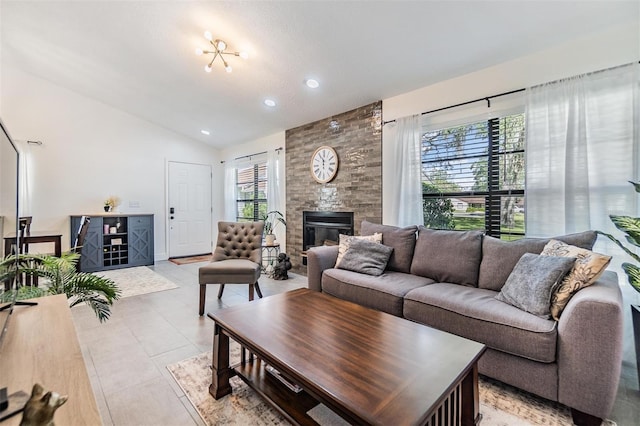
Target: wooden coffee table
(367,366)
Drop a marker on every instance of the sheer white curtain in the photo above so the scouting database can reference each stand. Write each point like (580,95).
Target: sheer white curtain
(230,187)
(275,194)
(274,188)
(408,169)
(582,148)
(24,178)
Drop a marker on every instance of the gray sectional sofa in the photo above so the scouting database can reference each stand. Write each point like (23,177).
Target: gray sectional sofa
(449,279)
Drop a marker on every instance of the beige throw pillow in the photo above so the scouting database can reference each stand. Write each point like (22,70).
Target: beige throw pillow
(345,242)
(587,268)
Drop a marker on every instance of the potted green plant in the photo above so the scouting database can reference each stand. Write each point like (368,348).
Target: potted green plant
(271,221)
(60,276)
(111,203)
(631,227)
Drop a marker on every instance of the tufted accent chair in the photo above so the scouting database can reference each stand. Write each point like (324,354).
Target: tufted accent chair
(237,259)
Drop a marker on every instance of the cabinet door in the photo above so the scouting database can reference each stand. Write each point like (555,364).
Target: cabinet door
(141,240)
(91,252)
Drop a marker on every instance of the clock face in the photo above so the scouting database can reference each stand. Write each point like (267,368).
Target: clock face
(324,164)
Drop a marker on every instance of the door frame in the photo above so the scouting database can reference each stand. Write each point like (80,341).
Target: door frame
(167,224)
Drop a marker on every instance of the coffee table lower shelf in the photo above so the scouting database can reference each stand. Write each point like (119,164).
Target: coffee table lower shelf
(293,406)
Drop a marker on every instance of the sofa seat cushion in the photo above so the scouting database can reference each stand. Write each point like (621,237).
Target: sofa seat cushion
(474,313)
(384,292)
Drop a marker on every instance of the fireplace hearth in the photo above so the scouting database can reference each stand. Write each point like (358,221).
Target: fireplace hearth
(324,228)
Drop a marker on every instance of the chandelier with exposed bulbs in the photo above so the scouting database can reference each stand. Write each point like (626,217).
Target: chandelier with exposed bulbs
(219,50)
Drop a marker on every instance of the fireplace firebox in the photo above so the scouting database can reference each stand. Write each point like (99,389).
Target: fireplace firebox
(321,228)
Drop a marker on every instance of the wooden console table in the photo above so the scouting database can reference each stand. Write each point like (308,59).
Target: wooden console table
(41,346)
(35,237)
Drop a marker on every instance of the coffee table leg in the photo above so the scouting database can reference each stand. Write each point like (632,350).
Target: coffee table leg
(221,372)
(471,398)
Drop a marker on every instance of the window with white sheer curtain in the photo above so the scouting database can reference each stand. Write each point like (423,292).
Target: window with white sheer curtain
(582,148)
(252,187)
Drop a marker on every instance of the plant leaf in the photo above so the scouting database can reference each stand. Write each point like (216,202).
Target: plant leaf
(636,186)
(629,225)
(61,277)
(632,241)
(633,275)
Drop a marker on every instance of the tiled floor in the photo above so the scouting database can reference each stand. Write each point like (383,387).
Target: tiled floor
(126,357)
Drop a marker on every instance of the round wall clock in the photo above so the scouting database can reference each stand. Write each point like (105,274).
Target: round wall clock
(324,164)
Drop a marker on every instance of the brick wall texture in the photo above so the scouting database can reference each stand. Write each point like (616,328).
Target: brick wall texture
(357,187)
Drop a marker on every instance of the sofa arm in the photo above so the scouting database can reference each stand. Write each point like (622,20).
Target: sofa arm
(590,347)
(318,259)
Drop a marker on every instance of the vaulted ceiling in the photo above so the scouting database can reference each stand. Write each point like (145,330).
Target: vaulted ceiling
(138,56)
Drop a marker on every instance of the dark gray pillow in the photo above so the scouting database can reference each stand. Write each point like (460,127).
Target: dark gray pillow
(533,281)
(500,257)
(366,257)
(448,256)
(403,241)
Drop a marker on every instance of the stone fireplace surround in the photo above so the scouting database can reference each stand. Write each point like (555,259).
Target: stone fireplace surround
(357,138)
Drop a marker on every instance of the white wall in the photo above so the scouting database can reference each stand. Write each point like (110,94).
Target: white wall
(91,151)
(267,143)
(607,49)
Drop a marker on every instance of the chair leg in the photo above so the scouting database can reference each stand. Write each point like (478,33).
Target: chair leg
(220,291)
(258,290)
(203,295)
(250,292)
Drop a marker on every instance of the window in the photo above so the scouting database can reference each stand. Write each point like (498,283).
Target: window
(251,190)
(473,177)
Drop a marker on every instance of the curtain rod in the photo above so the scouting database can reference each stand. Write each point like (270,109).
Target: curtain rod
(486,98)
(253,155)
(586,73)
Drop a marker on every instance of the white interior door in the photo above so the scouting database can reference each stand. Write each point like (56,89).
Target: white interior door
(189,209)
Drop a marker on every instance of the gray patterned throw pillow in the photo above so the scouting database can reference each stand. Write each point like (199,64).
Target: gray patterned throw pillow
(533,281)
(366,257)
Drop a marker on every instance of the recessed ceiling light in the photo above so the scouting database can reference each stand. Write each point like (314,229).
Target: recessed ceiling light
(205,132)
(270,102)
(313,83)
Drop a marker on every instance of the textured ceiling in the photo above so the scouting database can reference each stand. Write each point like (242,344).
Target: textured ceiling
(138,56)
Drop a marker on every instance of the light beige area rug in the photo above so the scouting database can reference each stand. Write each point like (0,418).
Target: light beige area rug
(137,280)
(500,405)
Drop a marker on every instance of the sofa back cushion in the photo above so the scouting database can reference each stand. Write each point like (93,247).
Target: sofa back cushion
(500,257)
(403,241)
(448,256)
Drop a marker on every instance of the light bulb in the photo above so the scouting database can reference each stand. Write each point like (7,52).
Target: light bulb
(207,68)
(244,55)
(221,45)
(199,51)
(269,102)
(228,68)
(313,84)
(207,35)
